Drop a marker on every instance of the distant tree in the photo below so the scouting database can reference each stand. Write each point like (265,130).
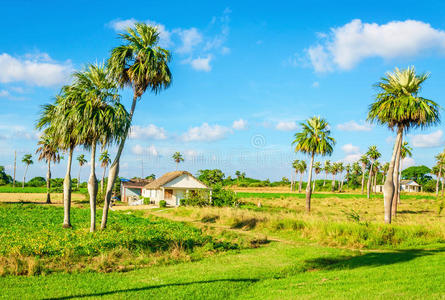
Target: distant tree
(301,168)
(419,174)
(4,178)
(405,151)
(373,154)
(440,164)
(177,157)
(27,159)
(104,159)
(81,159)
(37,182)
(314,139)
(211,177)
(237,174)
(152,177)
(285,180)
(317,170)
(48,152)
(326,168)
(364,161)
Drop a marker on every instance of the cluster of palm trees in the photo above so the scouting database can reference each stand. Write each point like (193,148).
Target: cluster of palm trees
(438,170)
(88,113)
(397,106)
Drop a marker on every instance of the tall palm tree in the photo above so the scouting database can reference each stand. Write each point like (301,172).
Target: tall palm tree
(27,159)
(48,152)
(177,158)
(326,168)
(301,168)
(364,162)
(102,119)
(440,164)
(334,170)
(60,121)
(104,158)
(317,170)
(399,107)
(385,169)
(375,172)
(348,169)
(140,64)
(295,166)
(81,159)
(314,139)
(373,154)
(341,169)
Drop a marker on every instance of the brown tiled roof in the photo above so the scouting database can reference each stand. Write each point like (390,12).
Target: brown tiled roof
(137,182)
(167,177)
(405,181)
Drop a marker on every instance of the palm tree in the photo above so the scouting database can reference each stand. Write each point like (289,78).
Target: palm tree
(177,157)
(102,118)
(327,167)
(440,163)
(348,169)
(375,171)
(314,139)
(104,158)
(373,154)
(399,107)
(60,121)
(317,170)
(295,165)
(81,159)
(341,169)
(48,152)
(301,168)
(140,64)
(364,162)
(334,170)
(27,159)
(385,169)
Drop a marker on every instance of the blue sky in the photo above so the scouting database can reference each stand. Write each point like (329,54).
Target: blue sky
(245,74)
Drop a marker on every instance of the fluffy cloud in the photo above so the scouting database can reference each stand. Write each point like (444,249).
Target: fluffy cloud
(286,125)
(148,132)
(239,124)
(408,162)
(354,126)
(431,140)
(344,47)
(140,150)
(4,93)
(349,148)
(189,38)
(352,153)
(200,63)
(18,132)
(37,70)
(206,133)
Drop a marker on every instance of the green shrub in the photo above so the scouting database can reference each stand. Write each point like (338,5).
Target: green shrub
(223,197)
(162,203)
(198,198)
(146,200)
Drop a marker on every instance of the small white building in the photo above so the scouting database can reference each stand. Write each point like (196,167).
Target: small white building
(172,187)
(406,185)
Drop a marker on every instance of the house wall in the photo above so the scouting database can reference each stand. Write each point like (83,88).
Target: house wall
(158,195)
(185,182)
(131,192)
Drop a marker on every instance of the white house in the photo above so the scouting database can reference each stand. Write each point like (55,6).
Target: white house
(172,187)
(406,185)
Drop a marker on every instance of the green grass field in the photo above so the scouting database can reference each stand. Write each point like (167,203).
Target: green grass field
(30,189)
(274,252)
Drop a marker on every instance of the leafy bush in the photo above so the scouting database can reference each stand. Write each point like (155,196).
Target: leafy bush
(162,203)
(223,197)
(429,186)
(36,182)
(197,198)
(146,200)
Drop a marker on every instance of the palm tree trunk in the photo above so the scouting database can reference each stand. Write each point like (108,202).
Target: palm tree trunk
(396,183)
(92,188)
(102,182)
(67,192)
(368,187)
(341,184)
(78,177)
(301,181)
(24,176)
(114,169)
(375,181)
(400,178)
(325,177)
(333,182)
(48,183)
(308,187)
(363,180)
(443,179)
(313,185)
(388,187)
(437,181)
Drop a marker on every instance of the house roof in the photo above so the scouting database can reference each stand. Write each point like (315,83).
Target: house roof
(136,182)
(409,181)
(166,178)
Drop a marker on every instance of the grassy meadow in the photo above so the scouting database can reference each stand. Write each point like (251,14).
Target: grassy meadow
(274,250)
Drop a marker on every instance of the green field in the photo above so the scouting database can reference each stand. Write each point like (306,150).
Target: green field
(30,189)
(228,253)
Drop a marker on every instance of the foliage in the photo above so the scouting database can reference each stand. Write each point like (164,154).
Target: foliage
(36,182)
(196,198)
(223,197)
(162,203)
(4,178)
(417,173)
(211,177)
(146,200)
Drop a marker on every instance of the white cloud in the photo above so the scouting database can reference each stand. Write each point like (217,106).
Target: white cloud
(344,47)
(189,38)
(140,150)
(206,133)
(349,148)
(286,125)
(354,126)
(200,63)
(4,93)
(408,162)
(431,140)
(239,124)
(11,132)
(350,158)
(148,132)
(37,70)
(315,84)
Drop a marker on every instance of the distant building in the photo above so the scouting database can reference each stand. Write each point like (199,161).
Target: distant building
(172,187)
(132,188)
(406,185)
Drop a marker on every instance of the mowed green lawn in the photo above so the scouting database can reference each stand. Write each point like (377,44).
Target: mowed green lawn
(275,271)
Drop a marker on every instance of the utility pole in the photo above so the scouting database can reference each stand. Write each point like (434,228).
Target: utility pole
(15,159)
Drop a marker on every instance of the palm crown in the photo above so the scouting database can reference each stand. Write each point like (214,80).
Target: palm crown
(314,138)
